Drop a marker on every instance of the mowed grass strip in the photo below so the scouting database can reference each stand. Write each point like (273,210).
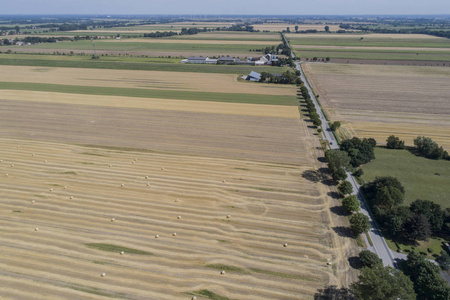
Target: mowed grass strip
(116,249)
(210,295)
(149,93)
(423,178)
(131,63)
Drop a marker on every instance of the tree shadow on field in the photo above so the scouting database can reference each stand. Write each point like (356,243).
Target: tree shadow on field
(321,159)
(334,195)
(312,175)
(355,262)
(343,231)
(339,210)
(332,292)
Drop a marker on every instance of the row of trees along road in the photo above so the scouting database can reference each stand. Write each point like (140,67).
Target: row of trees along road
(315,118)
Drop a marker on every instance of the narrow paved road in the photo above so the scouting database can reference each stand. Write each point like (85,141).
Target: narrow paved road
(379,244)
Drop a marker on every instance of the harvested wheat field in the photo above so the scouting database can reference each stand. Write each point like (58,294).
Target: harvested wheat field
(219,83)
(377,101)
(124,200)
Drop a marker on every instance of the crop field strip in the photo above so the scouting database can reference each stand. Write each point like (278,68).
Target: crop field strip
(369,40)
(131,63)
(352,94)
(140,80)
(57,254)
(150,45)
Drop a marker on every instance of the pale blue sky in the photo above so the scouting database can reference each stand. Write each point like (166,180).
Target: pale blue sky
(265,7)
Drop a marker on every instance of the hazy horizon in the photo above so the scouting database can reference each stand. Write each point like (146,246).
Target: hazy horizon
(230,7)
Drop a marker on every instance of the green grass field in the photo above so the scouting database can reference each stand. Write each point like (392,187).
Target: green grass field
(127,63)
(152,93)
(368,41)
(374,55)
(422,178)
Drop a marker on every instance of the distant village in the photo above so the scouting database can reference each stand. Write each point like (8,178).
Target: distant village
(260,60)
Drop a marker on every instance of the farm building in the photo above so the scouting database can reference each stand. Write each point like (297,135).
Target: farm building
(199,60)
(253,76)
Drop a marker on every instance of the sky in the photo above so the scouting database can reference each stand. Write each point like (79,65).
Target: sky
(233,7)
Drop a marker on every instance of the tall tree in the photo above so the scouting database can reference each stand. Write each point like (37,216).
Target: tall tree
(370,259)
(351,203)
(345,188)
(432,211)
(327,28)
(417,228)
(394,142)
(428,283)
(383,283)
(359,223)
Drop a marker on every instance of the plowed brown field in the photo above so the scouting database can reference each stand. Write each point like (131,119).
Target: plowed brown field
(377,101)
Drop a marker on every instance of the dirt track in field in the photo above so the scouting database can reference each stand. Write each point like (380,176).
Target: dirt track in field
(377,101)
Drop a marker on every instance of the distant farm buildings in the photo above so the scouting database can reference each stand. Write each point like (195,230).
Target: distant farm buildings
(253,76)
(268,59)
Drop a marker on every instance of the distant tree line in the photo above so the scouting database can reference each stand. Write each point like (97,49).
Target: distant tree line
(184,31)
(439,33)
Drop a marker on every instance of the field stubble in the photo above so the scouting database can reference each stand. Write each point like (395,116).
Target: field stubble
(80,196)
(377,101)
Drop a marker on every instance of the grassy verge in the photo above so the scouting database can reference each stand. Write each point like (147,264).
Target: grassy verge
(227,268)
(116,249)
(151,93)
(208,294)
(422,178)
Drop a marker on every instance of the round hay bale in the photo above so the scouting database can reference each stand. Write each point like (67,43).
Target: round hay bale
(12,165)
(103,274)
(135,159)
(146,177)
(112,219)
(122,252)
(110,166)
(6,175)
(32,154)
(32,201)
(194,298)
(45,161)
(156,236)
(224,181)
(222,272)
(51,190)
(176,200)
(285,245)
(174,234)
(329,263)
(1,160)
(36,229)
(179,217)
(228,216)
(65,187)
(122,185)
(18,147)
(162,168)
(148,184)
(71,197)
